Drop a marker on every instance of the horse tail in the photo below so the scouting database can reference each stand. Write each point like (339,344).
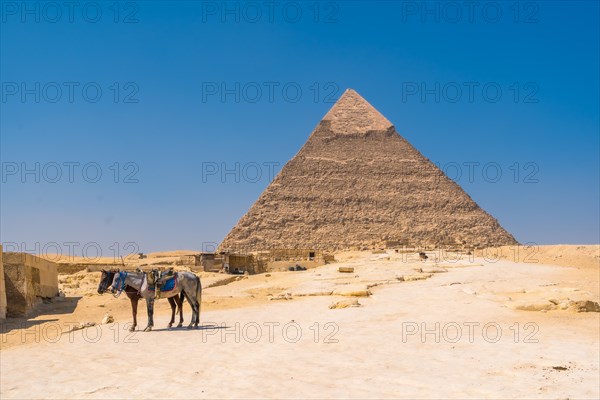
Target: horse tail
(198,294)
(198,288)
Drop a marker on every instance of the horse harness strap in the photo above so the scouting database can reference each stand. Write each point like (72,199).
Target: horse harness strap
(144,277)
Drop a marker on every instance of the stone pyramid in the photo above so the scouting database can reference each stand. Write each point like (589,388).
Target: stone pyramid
(357,183)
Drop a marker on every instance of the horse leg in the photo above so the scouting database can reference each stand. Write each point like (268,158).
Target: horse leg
(150,306)
(194,309)
(196,312)
(197,295)
(179,301)
(199,299)
(172,304)
(134,304)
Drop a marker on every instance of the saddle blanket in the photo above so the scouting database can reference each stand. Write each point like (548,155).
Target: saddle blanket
(167,286)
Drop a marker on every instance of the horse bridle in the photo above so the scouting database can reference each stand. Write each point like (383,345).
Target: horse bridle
(120,281)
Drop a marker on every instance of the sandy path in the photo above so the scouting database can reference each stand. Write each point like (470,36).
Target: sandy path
(375,355)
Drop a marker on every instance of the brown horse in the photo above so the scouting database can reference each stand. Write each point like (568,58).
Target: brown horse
(134,296)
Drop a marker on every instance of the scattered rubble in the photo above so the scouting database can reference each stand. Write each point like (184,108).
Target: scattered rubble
(408,278)
(554,304)
(352,290)
(344,304)
(282,296)
(108,319)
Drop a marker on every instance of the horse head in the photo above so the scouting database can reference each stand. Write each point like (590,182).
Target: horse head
(106,279)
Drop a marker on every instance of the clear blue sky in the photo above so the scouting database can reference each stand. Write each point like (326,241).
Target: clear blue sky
(176,66)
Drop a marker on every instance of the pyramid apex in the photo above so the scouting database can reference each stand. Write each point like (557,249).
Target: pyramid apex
(353,114)
(349,90)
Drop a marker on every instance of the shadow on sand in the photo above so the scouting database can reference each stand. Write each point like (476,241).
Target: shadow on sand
(186,329)
(65,305)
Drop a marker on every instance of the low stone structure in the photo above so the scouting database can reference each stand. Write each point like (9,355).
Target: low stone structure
(191,260)
(260,261)
(211,262)
(282,259)
(296,255)
(27,279)
(242,263)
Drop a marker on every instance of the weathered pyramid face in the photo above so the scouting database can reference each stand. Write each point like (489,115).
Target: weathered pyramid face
(356,183)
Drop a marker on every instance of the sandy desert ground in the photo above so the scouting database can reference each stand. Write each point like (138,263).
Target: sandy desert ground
(451,327)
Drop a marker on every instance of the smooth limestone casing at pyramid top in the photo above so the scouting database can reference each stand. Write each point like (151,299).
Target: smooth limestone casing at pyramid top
(356,182)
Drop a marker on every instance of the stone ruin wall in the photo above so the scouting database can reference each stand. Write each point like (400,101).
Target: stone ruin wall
(27,279)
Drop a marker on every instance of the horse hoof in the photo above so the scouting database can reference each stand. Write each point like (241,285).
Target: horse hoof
(190,326)
(180,325)
(148,329)
(132,329)
(170,326)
